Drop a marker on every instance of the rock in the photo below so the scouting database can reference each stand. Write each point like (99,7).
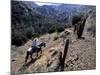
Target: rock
(76,58)
(67,33)
(54,66)
(13,48)
(53,49)
(53,60)
(54,53)
(13,60)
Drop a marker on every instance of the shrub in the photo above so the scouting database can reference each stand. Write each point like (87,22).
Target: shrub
(55,38)
(18,39)
(28,33)
(34,35)
(52,29)
(56,28)
(60,29)
(67,26)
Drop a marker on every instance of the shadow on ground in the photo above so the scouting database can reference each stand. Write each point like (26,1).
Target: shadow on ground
(25,66)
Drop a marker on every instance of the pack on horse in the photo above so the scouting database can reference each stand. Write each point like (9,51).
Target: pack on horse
(34,49)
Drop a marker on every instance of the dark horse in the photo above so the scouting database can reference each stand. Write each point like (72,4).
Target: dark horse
(35,49)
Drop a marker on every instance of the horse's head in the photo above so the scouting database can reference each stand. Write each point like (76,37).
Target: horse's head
(42,44)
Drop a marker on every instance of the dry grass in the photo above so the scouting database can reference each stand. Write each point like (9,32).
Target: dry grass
(81,55)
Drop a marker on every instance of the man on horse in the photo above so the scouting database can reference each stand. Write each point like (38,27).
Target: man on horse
(34,48)
(35,43)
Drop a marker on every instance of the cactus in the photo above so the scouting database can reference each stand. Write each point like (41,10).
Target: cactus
(81,28)
(62,58)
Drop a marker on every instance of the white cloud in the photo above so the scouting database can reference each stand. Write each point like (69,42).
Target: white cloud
(46,3)
(85,2)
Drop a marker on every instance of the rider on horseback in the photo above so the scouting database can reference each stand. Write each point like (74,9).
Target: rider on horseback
(30,50)
(36,47)
(35,43)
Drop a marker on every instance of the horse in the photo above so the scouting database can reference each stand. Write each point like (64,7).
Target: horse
(34,49)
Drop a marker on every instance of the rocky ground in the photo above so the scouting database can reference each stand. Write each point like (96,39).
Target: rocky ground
(81,54)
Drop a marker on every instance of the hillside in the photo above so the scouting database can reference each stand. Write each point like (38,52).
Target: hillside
(52,24)
(31,20)
(80,56)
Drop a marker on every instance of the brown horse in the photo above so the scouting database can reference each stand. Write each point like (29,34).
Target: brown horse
(33,50)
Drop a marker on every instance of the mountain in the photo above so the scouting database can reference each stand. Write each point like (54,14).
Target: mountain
(28,19)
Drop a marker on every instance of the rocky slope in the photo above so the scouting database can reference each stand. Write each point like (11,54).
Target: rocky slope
(81,55)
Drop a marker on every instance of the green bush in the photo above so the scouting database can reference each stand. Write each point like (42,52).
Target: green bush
(28,33)
(67,26)
(56,28)
(52,29)
(60,29)
(18,39)
(34,35)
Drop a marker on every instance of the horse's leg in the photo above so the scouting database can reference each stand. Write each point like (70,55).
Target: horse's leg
(37,54)
(31,55)
(27,55)
(41,51)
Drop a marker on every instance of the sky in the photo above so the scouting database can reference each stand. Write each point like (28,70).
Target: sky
(84,2)
(41,3)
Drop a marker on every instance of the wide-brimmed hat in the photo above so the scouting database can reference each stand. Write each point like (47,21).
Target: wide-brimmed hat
(36,39)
